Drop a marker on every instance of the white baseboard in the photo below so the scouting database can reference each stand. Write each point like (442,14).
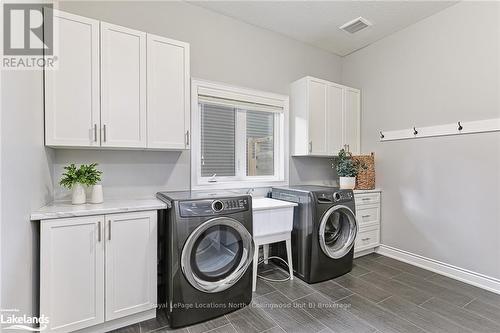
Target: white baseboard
(454,272)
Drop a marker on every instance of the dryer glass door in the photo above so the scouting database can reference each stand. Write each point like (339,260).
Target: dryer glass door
(337,231)
(217,254)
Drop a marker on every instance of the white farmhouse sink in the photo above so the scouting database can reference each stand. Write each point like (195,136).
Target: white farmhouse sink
(271,217)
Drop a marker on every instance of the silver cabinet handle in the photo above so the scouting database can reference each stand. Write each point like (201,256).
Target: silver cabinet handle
(99,231)
(104,133)
(187,138)
(366,199)
(365,239)
(109,228)
(95,132)
(365,216)
(310,146)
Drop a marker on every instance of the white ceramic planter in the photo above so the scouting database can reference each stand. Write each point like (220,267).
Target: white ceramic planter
(96,195)
(78,196)
(347,183)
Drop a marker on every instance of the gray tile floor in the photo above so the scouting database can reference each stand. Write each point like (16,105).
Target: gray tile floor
(379,295)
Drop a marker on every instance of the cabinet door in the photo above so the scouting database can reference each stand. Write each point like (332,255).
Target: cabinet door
(352,115)
(168,93)
(72,89)
(72,272)
(317,117)
(335,118)
(130,263)
(123,84)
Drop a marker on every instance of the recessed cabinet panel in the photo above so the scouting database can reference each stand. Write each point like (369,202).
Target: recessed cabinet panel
(72,273)
(318,118)
(130,263)
(335,119)
(72,89)
(352,120)
(168,93)
(123,79)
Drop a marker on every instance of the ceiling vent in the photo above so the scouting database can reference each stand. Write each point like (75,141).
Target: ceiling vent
(355,25)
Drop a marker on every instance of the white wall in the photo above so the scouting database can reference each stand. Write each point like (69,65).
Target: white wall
(222,49)
(26,173)
(440,195)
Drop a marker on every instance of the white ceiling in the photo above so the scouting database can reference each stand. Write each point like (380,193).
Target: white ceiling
(317,22)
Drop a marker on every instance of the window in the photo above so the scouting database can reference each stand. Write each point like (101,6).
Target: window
(238,136)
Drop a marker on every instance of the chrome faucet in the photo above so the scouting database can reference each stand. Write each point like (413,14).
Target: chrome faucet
(250,191)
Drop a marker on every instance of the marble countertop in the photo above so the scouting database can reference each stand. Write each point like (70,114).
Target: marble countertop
(62,209)
(375,190)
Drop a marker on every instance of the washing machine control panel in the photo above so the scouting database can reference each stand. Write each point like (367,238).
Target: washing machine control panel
(212,207)
(343,196)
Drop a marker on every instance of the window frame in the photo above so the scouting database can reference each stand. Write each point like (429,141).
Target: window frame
(281,138)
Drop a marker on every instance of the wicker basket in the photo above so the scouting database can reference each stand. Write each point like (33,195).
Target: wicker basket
(366,177)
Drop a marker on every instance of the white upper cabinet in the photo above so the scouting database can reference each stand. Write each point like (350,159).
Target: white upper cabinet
(335,118)
(72,114)
(123,84)
(352,121)
(116,87)
(168,97)
(325,117)
(318,117)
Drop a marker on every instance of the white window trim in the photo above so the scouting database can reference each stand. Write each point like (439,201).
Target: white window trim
(281,166)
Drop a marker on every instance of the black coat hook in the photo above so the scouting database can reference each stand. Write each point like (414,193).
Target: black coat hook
(415,132)
(460,127)
(382,135)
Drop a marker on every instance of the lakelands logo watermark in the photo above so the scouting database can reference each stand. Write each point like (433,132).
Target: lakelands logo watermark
(28,36)
(12,320)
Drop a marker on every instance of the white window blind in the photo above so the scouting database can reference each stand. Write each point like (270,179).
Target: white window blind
(218,129)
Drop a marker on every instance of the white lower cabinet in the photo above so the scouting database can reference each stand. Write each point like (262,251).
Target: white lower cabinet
(96,269)
(72,272)
(368,217)
(368,238)
(130,263)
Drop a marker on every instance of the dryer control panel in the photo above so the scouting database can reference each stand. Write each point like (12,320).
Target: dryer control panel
(346,195)
(334,197)
(213,207)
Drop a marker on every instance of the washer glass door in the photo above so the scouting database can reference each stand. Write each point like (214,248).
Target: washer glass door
(337,231)
(217,254)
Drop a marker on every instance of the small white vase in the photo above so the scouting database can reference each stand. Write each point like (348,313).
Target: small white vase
(78,196)
(96,195)
(347,183)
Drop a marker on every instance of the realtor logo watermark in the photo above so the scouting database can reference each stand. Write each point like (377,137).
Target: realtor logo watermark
(11,319)
(28,36)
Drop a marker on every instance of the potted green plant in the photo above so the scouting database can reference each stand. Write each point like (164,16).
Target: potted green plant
(72,179)
(347,169)
(76,179)
(92,177)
